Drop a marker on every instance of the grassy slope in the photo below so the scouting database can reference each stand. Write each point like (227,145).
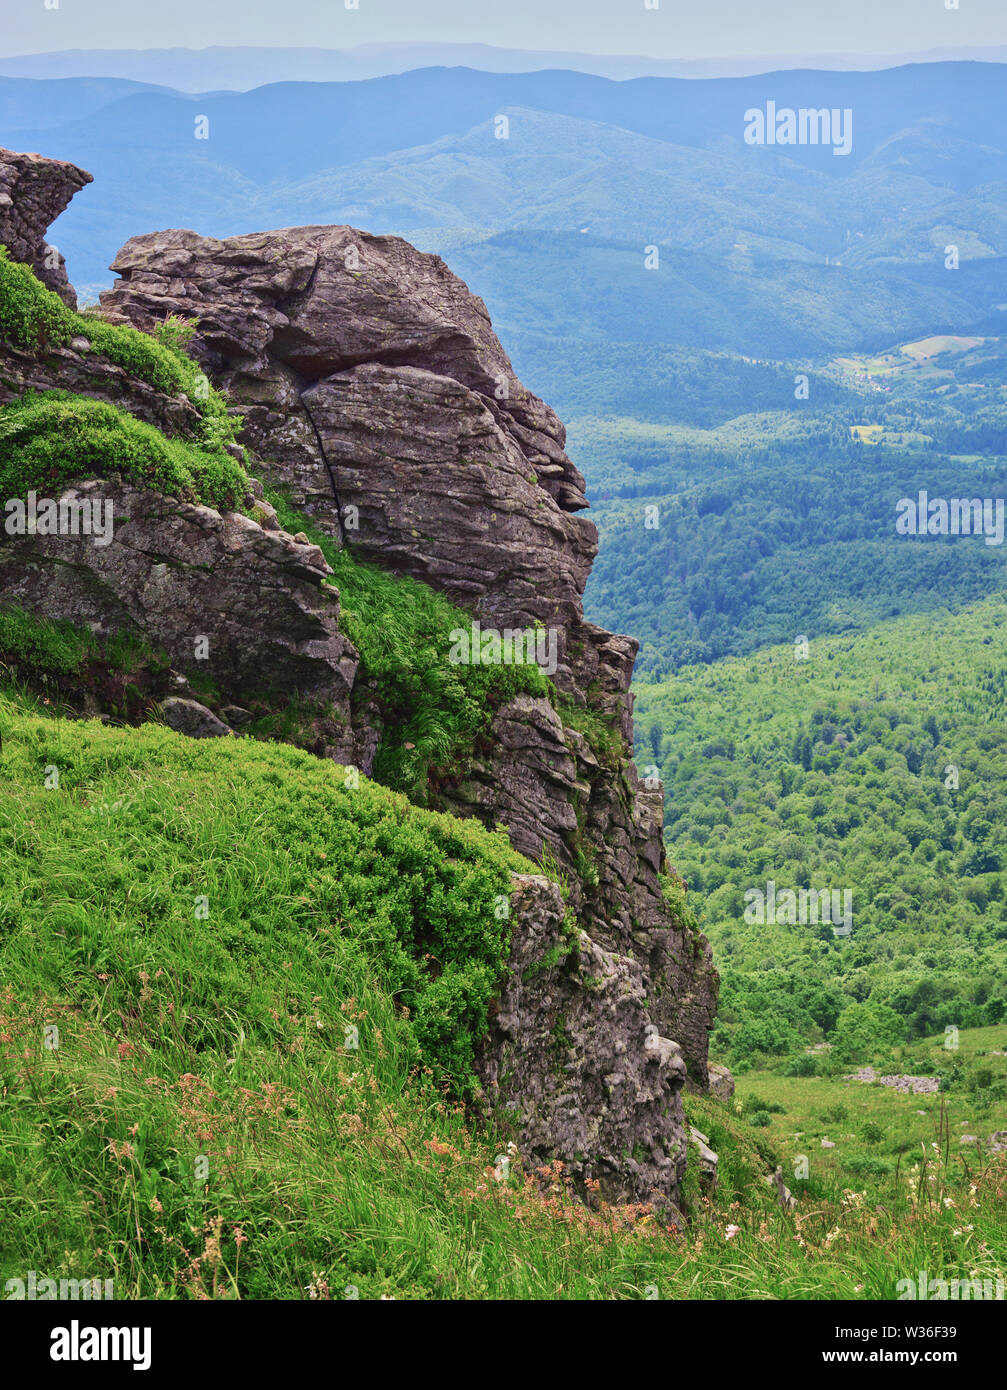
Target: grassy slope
(328,1169)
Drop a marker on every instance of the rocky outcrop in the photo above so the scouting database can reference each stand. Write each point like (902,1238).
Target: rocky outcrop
(200,585)
(575,1062)
(375,391)
(33,193)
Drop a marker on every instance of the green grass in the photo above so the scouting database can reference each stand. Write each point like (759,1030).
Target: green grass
(435,713)
(223,1037)
(55,437)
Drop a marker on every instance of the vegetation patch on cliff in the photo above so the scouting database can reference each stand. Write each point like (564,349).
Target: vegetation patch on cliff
(434,712)
(54,437)
(35,319)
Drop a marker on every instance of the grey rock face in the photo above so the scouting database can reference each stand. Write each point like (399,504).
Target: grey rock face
(194,581)
(574,1059)
(33,193)
(299,305)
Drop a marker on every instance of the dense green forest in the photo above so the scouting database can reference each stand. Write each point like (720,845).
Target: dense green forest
(877,764)
(718,541)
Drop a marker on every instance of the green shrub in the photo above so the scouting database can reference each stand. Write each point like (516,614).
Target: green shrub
(54,437)
(34,318)
(753,1103)
(805,1064)
(865,1030)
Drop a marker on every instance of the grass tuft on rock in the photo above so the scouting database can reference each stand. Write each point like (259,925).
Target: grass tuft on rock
(54,437)
(35,319)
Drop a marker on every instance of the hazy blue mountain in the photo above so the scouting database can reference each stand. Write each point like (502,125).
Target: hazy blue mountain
(25,102)
(648,161)
(290,130)
(772,259)
(240,69)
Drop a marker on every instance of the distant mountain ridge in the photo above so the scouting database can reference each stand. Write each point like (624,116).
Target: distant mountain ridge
(783,255)
(242,68)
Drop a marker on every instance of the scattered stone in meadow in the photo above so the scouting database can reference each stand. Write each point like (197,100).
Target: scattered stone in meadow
(907,1085)
(721,1082)
(827,1144)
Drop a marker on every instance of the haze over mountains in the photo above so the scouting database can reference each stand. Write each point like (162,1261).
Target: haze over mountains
(767,252)
(241,68)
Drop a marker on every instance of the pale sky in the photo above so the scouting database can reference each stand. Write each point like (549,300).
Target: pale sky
(681,29)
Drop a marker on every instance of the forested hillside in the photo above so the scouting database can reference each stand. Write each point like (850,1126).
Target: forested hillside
(878,765)
(783,523)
